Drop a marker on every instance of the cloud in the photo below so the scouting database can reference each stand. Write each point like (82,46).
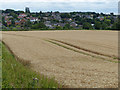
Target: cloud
(57,0)
(105,7)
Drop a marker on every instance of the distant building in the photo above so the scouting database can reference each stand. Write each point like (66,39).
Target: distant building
(8,22)
(73,24)
(33,19)
(17,22)
(101,18)
(22,21)
(27,10)
(0,25)
(61,24)
(22,15)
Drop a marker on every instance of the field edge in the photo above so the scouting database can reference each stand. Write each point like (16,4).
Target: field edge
(21,76)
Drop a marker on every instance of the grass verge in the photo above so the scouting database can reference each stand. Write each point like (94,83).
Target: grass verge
(0,65)
(16,75)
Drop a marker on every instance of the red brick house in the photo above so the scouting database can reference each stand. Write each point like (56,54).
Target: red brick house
(8,22)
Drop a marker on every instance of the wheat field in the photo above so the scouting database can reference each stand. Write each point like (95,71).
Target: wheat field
(79,59)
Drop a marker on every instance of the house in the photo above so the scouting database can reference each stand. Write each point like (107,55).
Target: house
(48,24)
(61,24)
(6,17)
(56,16)
(22,21)
(17,22)
(33,19)
(27,17)
(45,18)
(77,15)
(47,14)
(49,18)
(0,25)
(73,15)
(5,14)
(69,19)
(8,22)
(73,24)
(22,15)
(89,16)
(100,18)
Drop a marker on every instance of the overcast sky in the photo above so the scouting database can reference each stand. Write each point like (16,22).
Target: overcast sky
(105,6)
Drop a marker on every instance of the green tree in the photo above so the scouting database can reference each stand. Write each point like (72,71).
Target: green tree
(114,26)
(28,23)
(66,27)
(14,15)
(39,26)
(12,23)
(18,12)
(65,15)
(104,26)
(107,21)
(118,23)
(87,25)
(97,25)
(9,10)
(3,21)
(58,28)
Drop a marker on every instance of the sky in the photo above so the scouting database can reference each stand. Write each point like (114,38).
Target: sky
(104,6)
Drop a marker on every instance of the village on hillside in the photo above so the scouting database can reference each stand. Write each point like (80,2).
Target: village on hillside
(26,20)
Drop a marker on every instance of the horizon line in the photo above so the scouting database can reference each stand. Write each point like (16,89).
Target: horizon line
(58,11)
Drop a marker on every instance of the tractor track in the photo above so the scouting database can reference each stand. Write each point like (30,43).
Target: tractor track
(87,50)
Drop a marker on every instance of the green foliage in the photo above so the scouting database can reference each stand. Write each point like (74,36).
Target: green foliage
(18,12)
(16,75)
(118,23)
(87,25)
(39,26)
(8,11)
(14,29)
(79,17)
(3,21)
(114,26)
(55,21)
(65,15)
(12,23)
(104,26)
(28,23)
(58,28)
(14,15)
(97,25)
(66,27)
(107,21)
(0,65)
